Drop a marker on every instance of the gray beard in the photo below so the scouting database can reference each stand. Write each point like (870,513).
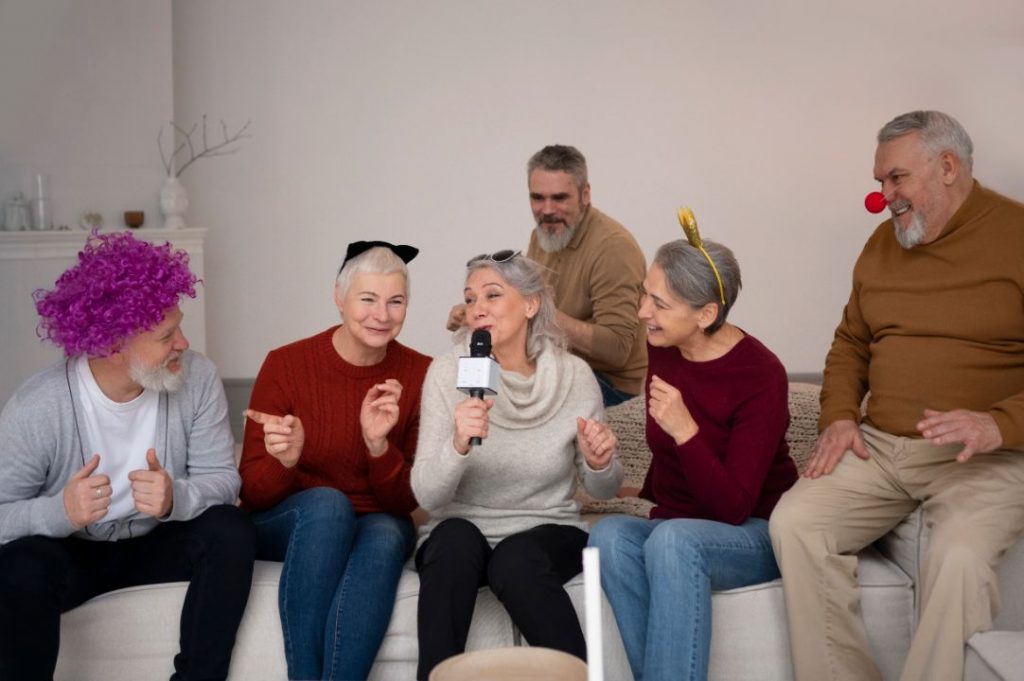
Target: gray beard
(553,243)
(159,378)
(913,235)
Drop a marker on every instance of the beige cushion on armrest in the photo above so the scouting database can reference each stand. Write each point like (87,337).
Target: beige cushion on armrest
(627,421)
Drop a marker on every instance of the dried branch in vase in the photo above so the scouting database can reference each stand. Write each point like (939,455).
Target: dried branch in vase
(192,147)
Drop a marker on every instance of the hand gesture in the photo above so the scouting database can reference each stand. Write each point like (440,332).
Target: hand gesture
(379,414)
(975,429)
(837,439)
(668,410)
(597,442)
(283,436)
(152,489)
(470,421)
(457,317)
(87,496)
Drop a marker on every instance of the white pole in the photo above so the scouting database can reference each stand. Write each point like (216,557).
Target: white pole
(592,610)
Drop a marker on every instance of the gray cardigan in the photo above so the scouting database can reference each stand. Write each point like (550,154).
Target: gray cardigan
(525,472)
(40,428)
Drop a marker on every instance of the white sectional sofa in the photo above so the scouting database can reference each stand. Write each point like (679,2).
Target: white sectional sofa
(132,634)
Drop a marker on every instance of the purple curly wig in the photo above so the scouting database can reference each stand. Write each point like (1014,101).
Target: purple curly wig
(120,287)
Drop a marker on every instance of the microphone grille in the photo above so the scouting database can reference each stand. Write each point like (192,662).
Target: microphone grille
(480,343)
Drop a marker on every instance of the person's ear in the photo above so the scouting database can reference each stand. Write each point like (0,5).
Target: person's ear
(949,166)
(707,316)
(532,306)
(339,298)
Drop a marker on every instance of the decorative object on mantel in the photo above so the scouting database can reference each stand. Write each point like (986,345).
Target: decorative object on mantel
(173,197)
(173,203)
(134,218)
(91,220)
(16,213)
(42,210)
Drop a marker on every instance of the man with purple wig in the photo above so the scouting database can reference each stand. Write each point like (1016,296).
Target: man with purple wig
(117,467)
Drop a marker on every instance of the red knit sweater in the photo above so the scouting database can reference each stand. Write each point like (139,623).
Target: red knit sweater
(308,379)
(738,464)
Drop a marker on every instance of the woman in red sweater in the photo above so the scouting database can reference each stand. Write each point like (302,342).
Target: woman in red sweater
(329,442)
(717,405)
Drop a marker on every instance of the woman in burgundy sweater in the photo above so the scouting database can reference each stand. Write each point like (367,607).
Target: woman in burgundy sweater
(329,442)
(717,413)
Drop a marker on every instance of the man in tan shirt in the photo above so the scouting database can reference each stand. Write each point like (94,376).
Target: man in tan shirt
(595,269)
(934,334)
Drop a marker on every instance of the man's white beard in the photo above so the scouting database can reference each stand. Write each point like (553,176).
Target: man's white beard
(552,243)
(156,378)
(911,235)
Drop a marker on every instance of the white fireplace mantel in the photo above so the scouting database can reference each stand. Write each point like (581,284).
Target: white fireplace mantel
(33,245)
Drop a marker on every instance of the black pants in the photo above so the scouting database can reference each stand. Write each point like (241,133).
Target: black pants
(42,577)
(526,571)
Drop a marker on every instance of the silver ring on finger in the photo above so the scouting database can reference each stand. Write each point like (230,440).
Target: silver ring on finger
(99,492)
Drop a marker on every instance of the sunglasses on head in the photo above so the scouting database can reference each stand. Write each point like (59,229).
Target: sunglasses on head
(498,256)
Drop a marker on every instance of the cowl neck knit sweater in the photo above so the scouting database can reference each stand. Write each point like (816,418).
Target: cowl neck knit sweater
(525,472)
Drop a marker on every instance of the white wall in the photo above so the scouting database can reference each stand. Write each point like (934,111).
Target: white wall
(84,88)
(413,121)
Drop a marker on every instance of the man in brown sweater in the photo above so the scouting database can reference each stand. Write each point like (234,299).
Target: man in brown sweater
(595,268)
(933,333)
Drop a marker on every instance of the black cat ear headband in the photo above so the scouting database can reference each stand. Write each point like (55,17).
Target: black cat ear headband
(356,248)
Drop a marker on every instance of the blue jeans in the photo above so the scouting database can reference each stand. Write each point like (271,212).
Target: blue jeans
(659,575)
(338,581)
(610,395)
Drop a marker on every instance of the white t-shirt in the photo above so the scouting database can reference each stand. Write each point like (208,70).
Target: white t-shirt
(121,433)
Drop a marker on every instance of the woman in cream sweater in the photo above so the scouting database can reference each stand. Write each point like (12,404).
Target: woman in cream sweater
(503,513)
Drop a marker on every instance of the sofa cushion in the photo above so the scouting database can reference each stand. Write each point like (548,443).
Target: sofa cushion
(995,656)
(132,634)
(627,422)
(750,639)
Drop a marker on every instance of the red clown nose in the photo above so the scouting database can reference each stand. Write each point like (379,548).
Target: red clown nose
(875,202)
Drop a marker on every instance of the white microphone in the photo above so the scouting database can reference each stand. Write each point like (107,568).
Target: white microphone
(478,374)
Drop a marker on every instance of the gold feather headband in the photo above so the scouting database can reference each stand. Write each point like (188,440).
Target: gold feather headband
(689,224)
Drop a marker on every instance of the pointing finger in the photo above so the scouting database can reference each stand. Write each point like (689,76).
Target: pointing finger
(261,418)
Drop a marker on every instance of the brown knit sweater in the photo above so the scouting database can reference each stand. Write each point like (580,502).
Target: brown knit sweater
(310,380)
(597,279)
(939,326)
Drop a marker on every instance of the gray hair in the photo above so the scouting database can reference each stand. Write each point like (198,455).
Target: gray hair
(527,277)
(940,133)
(377,260)
(560,157)
(691,278)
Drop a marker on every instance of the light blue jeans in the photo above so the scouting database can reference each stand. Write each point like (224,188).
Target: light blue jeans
(338,580)
(659,575)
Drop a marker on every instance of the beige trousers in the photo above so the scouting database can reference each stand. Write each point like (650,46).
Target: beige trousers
(975,512)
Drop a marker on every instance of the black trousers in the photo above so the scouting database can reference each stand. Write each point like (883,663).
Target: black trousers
(526,571)
(42,577)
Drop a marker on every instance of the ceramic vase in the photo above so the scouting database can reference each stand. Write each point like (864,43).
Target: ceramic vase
(173,203)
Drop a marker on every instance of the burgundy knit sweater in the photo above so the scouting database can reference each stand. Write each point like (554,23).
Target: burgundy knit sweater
(310,380)
(738,464)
